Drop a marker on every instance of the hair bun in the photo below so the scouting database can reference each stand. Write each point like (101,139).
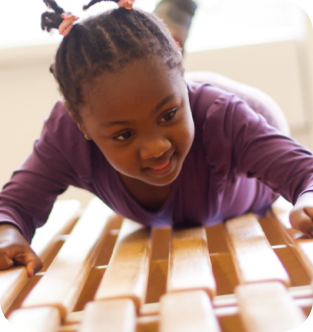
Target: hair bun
(50,20)
(53,5)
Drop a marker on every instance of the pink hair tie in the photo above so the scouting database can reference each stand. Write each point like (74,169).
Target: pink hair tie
(67,24)
(128,4)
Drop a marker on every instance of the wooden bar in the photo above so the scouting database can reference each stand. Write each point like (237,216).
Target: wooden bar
(13,280)
(45,319)
(148,324)
(189,262)
(268,307)
(127,273)
(134,267)
(62,283)
(60,221)
(160,241)
(187,311)
(254,259)
(109,315)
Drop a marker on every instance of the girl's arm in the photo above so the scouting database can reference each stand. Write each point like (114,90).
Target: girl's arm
(242,143)
(27,199)
(60,158)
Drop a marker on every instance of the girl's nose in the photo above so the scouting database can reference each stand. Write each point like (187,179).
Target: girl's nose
(154,148)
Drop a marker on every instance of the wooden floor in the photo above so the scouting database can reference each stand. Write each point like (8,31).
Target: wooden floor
(103,273)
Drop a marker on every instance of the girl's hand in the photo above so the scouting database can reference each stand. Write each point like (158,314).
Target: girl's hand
(301,215)
(15,249)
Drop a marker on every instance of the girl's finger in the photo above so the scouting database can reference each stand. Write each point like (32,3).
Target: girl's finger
(23,256)
(302,220)
(33,266)
(5,261)
(30,260)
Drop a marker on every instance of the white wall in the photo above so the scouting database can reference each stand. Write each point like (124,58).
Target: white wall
(28,92)
(271,67)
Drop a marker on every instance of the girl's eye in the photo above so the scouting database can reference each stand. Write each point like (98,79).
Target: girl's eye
(169,116)
(123,137)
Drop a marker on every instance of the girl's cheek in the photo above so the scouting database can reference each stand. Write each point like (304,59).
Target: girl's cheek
(189,128)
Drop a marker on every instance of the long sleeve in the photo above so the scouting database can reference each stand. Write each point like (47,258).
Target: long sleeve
(240,142)
(54,164)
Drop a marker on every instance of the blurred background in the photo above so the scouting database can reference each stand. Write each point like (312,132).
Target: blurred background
(267,44)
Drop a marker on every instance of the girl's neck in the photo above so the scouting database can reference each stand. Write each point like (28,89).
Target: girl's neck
(148,196)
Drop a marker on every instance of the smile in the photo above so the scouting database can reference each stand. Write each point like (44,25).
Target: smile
(164,168)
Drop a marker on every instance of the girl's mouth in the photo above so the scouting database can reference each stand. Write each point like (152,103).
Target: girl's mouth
(159,167)
(164,168)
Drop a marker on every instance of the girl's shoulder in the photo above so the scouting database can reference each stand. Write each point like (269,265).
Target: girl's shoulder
(60,118)
(207,100)
(203,95)
(61,130)
(62,139)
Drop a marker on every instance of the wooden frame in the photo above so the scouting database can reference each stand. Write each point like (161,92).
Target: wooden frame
(119,276)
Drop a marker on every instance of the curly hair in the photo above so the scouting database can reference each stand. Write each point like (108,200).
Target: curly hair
(106,42)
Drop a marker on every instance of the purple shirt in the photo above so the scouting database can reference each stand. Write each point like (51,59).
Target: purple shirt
(237,163)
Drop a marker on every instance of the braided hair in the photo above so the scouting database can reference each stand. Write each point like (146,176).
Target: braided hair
(106,42)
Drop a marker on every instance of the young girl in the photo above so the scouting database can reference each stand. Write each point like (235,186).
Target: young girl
(154,148)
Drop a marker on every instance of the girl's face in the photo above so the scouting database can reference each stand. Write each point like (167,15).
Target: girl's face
(140,119)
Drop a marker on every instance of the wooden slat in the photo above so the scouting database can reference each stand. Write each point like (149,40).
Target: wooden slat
(160,240)
(127,273)
(13,280)
(148,324)
(268,307)
(305,249)
(189,262)
(254,259)
(157,280)
(62,283)
(187,311)
(35,319)
(109,315)
(150,309)
(61,219)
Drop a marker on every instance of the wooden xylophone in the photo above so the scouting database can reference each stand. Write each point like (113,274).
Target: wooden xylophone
(103,273)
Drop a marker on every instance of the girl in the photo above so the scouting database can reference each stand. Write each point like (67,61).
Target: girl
(154,148)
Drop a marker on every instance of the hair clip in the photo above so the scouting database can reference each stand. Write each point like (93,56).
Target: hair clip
(67,24)
(127,4)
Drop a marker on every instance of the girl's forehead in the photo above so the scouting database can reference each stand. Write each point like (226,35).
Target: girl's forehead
(133,92)
(138,84)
